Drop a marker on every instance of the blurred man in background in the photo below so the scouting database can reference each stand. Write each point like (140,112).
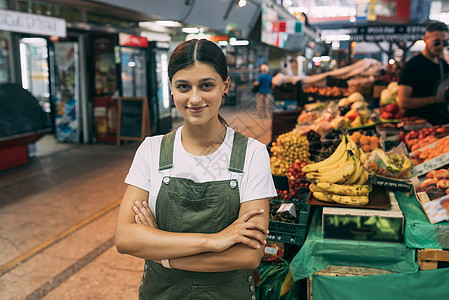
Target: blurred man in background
(421,76)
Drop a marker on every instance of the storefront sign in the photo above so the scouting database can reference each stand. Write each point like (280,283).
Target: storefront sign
(29,23)
(387,33)
(132,40)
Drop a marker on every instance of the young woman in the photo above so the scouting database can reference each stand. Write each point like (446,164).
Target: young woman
(196,205)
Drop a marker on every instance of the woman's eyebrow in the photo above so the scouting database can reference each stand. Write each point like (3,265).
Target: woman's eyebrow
(201,80)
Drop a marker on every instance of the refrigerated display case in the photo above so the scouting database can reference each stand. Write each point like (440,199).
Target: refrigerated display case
(159,93)
(133,68)
(5,74)
(33,52)
(105,52)
(67,92)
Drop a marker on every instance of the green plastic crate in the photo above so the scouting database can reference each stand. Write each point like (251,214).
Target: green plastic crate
(291,233)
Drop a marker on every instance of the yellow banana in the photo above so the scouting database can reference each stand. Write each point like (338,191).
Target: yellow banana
(363,178)
(340,189)
(352,146)
(358,171)
(342,176)
(321,196)
(363,157)
(314,188)
(336,156)
(352,200)
(313,175)
(334,165)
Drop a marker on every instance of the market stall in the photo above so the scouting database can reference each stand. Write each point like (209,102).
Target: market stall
(378,196)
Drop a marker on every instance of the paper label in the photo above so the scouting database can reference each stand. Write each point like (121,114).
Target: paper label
(290,207)
(431,164)
(270,250)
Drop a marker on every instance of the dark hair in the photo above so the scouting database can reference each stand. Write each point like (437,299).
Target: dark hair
(436,26)
(191,51)
(187,53)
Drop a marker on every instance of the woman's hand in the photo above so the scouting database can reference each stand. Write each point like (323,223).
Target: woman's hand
(143,214)
(242,230)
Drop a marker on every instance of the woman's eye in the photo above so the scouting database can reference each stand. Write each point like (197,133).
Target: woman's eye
(182,86)
(208,85)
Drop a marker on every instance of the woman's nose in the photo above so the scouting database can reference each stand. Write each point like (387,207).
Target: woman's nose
(195,97)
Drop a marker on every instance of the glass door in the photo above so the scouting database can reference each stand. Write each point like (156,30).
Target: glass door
(133,72)
(163,86)
(35,70)
(67,92)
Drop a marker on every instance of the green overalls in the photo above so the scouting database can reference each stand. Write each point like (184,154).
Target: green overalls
(183,205)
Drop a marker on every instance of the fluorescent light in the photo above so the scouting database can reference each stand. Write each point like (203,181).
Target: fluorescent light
(325,58)
(131,64)
(190,30)
(222,43)
(234,42)
(168,23)
(152,26)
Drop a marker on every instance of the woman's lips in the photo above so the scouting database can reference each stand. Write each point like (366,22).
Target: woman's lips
(196,110)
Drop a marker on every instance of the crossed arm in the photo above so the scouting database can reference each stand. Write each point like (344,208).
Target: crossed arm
(238,246)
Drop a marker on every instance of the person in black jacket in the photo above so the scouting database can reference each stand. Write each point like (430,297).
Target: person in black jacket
(420,76)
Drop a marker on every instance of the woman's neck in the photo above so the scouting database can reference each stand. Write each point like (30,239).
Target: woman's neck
(204,139)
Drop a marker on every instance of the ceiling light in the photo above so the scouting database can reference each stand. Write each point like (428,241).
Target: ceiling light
(234,42)
(168,23)
(242,3)
(190,30)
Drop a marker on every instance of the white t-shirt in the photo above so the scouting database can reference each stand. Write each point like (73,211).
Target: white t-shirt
(256,181)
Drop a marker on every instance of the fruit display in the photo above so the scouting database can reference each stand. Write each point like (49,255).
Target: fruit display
(389,164)
(354,110)
(296,177)
(341,178)
(366,142)
(422,155)
(436,184)
(389,95)
(326,91)
(286,149)
(417,139)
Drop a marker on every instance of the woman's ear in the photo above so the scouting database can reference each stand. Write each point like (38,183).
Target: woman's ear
(227,83)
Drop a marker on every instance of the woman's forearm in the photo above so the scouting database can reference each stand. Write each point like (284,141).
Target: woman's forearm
(237,257)
(151,243)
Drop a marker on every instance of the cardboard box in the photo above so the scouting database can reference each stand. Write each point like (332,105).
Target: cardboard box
(364,224)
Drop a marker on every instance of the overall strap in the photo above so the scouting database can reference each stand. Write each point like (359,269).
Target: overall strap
(166,154)
(237,161)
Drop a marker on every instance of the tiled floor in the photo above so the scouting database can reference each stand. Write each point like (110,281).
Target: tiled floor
(58,213)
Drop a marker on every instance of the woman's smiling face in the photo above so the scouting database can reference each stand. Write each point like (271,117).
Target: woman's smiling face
(197,92)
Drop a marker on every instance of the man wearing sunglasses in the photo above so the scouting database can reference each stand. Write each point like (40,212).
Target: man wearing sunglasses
(420,76)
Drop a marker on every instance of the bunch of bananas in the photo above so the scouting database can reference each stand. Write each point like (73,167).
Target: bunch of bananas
(341,178)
